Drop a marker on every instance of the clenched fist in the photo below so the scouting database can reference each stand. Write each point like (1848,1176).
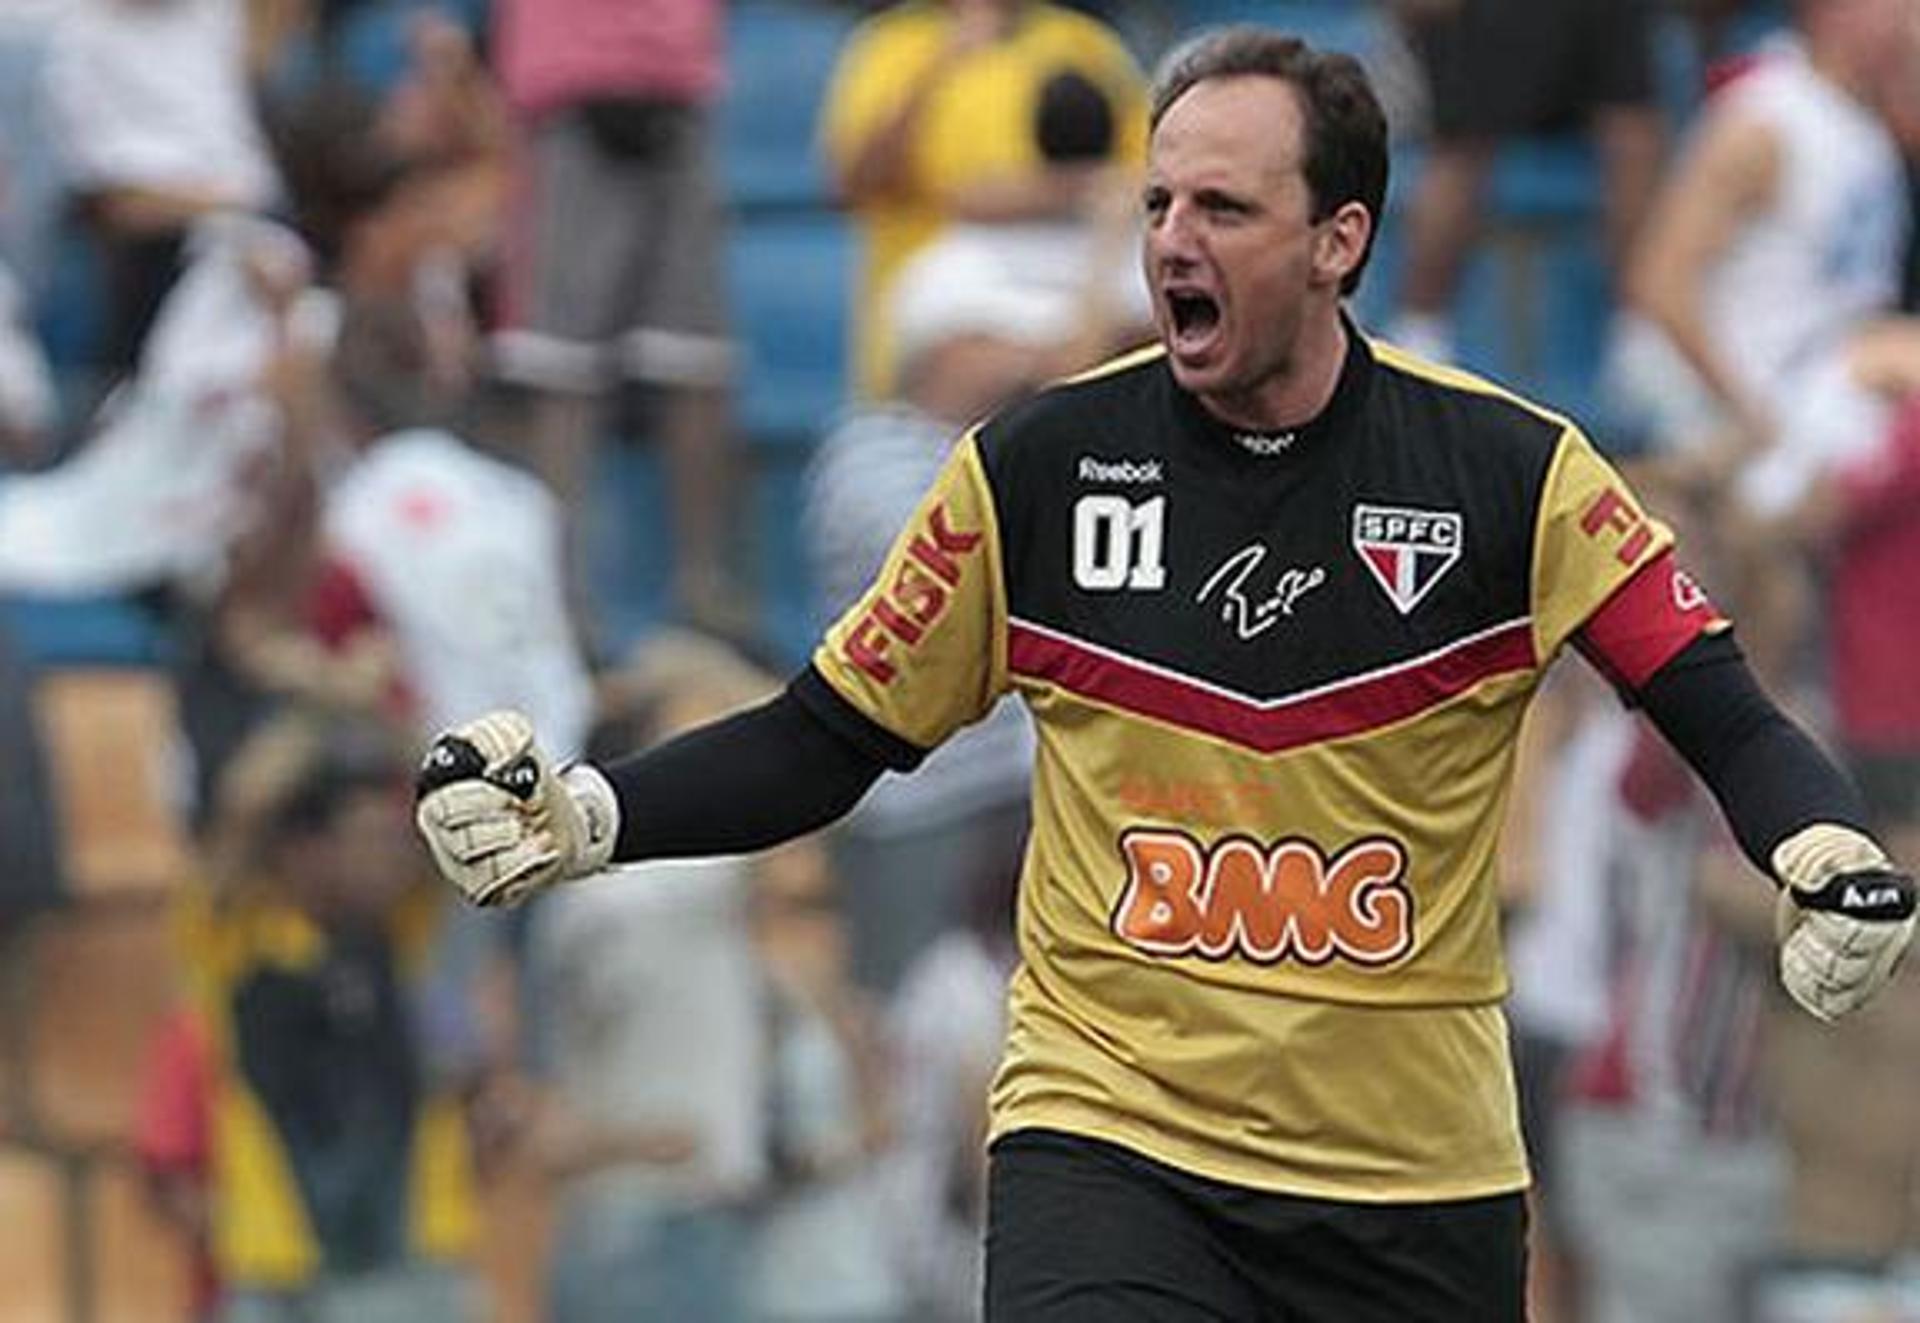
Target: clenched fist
(501,825)
(1844,918)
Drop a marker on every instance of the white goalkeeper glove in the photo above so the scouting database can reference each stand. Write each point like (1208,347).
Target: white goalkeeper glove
(1844,918)
(501,825)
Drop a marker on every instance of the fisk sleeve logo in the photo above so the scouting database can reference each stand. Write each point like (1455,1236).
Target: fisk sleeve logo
(1612,514)
(915,592)
(1284,902)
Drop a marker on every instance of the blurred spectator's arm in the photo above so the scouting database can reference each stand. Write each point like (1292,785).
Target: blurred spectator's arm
(879,164)
(1725,178)
(564,1144)
(868,131)
(1864,496)
(26,382)
(1884,355)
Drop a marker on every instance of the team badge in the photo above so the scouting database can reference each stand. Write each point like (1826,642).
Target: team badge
(1407,551)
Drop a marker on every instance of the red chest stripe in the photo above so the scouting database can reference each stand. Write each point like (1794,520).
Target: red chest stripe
(1345,707)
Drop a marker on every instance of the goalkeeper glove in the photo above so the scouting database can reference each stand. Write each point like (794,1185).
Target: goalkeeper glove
(1844,918)
(501,825)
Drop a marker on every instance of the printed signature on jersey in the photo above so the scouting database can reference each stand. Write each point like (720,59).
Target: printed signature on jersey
(1243,605)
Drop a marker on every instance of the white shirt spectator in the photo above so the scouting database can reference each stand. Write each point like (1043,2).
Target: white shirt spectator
(948,1024)
(656,1013)
(153,93)
(1821,260)
(462,555)
(159,491)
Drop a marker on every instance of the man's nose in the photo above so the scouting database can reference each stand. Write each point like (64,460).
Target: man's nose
(1174,237)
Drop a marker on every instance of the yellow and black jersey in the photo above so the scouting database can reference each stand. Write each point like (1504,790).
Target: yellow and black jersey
(1276,681)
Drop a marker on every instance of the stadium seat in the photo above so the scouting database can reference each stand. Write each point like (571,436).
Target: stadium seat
(790,276)
(375,38)
(81,631)
(107,735)
(781,55)
(101,983)
(139,1271)
(786,583)
(33,1252)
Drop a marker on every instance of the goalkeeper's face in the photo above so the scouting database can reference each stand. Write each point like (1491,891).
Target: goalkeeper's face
(1237,260)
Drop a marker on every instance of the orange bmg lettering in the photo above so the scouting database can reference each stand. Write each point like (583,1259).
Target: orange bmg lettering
(1269,904)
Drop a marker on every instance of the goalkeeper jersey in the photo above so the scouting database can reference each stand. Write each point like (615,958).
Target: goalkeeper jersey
(1276,681)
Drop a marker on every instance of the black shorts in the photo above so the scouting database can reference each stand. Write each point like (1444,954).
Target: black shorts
(1080,1231)
(1496,68)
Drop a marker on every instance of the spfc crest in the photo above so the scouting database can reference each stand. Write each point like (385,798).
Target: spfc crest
(1407,550)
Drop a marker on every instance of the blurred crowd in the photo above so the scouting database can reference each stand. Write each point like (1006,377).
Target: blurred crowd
(357,330)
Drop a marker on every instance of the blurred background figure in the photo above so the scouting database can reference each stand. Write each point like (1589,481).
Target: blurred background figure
(337,1178)
(614,265)
(1767,349)
(970,338)
(154,116)
(930,119)
(948,1025)
(1674,1068)
(655,1167)
(1500,69)
(822,1252)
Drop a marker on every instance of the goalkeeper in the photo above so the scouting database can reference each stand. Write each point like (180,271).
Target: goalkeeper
(1277,598)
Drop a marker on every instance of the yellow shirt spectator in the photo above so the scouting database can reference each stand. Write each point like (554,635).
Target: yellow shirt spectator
(931,117)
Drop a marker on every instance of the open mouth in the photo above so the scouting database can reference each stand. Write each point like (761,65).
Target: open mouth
(1195,317)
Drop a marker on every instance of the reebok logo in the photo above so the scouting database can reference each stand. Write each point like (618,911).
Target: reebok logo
(1137,471)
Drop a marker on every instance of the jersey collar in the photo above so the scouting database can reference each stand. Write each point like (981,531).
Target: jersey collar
(1242,448)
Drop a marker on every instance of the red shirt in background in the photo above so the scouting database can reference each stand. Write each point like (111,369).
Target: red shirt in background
(1873,612)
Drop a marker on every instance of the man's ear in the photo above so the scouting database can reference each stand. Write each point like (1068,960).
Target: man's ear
(1340,242)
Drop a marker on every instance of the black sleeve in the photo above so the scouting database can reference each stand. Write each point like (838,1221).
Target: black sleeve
(1769,777)
(752,780)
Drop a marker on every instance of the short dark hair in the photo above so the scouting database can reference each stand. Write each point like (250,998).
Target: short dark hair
(1074,120)
(1344,126)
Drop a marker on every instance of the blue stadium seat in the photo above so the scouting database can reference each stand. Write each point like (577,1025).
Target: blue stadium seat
(782,566)
(81,631)
(781,55)
(374,39)
(790,282)
(70,311)
(1342,25)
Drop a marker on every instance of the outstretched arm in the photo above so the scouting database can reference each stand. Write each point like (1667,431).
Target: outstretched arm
(502,823)
(752,780)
